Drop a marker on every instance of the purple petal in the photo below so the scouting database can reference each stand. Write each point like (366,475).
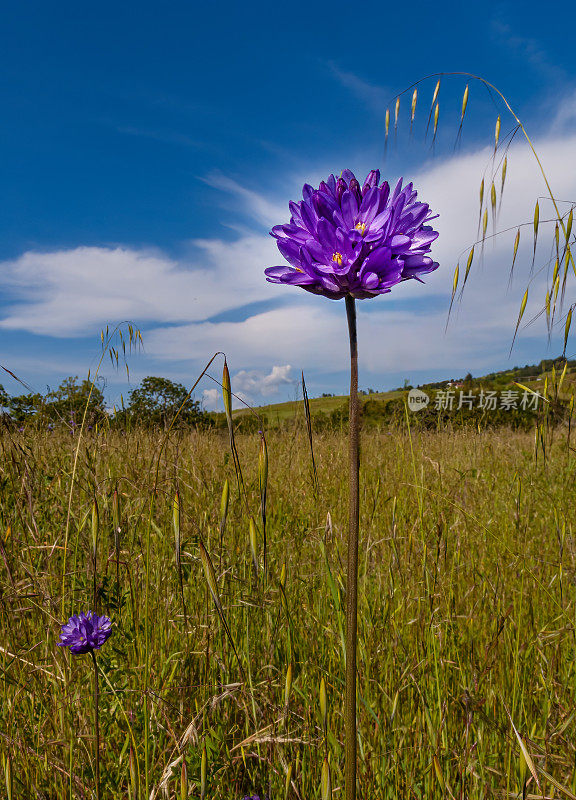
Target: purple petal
(349,208)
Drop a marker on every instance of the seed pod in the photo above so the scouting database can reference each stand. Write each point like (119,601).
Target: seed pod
(567,327)
(326,784)
(210,576)
(288,686)
(536,224)
(413,109)
(435,95)
(224,505)
(464,103)
(8,777)
(288,780)
(516,243)
(133,775)
(323,705)
(203,773)
(469,264)
(227,393)
(455,280)
(184,782)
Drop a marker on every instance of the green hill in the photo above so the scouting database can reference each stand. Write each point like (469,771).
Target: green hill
(334,407)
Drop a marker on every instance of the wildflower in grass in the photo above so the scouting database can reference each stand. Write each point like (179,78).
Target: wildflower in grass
(84,633)
(343,240)
(352,242)
(254,797)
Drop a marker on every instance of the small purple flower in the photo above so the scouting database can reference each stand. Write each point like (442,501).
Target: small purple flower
(85,632)
(345,240)
(254,797)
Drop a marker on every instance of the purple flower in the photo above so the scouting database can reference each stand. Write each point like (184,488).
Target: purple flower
(346,240)
(254,797)
(85,632)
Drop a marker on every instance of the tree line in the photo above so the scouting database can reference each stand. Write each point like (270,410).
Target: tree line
(155,402)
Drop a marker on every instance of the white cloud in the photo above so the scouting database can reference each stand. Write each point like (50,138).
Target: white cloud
(210,399)
(252,383)
(75,292)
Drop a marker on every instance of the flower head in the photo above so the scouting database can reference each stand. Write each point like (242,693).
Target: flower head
(85,632)
(343,239)
(254,797)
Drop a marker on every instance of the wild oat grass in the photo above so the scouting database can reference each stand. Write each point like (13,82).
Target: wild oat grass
(466,615)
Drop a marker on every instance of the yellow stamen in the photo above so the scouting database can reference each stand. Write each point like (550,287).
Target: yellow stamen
(361,226)
(337,257)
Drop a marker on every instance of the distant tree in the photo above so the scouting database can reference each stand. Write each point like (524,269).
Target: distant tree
(68,402)
(25,407)
(157,400)
(4,398)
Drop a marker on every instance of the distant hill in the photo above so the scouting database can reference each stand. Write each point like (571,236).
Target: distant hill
(529,375)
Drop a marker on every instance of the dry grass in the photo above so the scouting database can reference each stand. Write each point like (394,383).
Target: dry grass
(466,611)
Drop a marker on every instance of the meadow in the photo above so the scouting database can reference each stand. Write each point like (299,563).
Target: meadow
(466,614)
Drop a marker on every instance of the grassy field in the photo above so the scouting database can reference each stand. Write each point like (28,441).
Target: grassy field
(280,412)
(467,616)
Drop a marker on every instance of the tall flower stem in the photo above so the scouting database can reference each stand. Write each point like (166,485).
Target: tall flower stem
(96,725)
(352,560)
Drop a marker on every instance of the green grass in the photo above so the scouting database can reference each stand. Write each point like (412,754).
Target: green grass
(467,610)
(281,412)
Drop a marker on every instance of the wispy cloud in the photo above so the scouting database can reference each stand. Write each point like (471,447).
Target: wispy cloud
(164,136)
(373,96)
(259,207)
(526,48)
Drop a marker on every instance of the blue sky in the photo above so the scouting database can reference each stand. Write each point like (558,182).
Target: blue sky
(147,149)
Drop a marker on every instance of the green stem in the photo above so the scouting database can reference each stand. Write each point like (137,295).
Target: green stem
(96,726)
(352,561)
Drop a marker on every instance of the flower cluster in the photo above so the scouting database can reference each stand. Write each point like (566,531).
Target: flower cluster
(85,632)
(343,239)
